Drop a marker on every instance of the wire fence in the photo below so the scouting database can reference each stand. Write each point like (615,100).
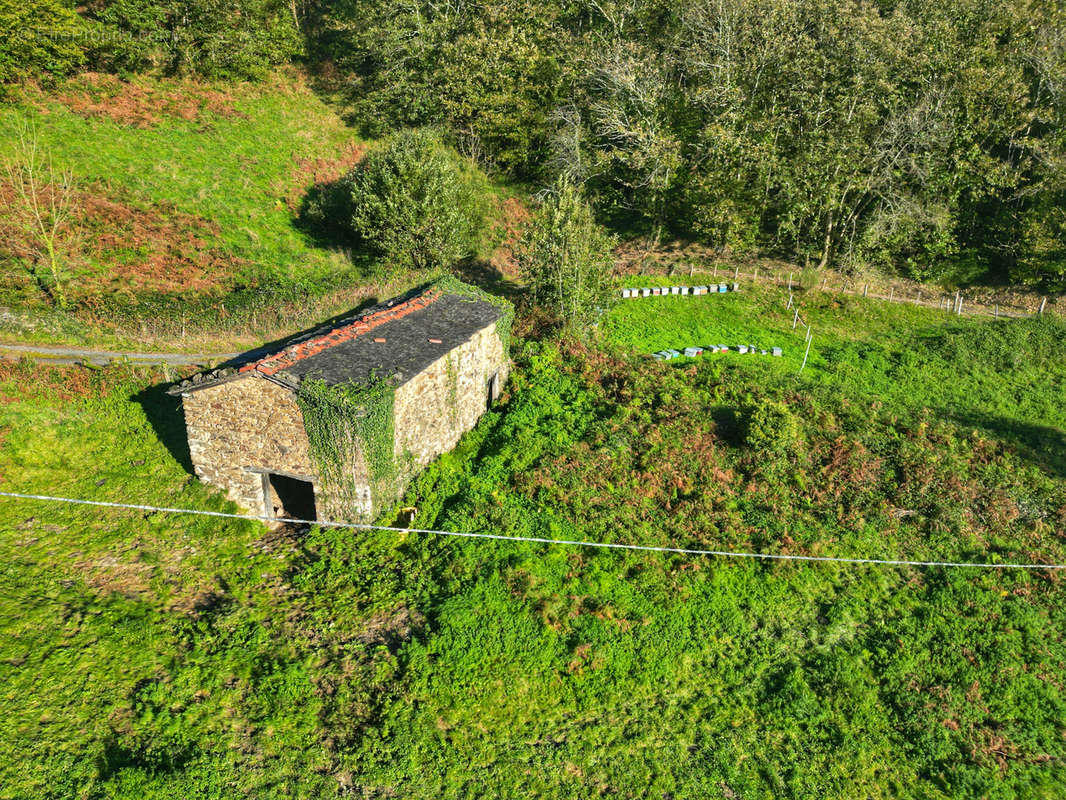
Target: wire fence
(957,303)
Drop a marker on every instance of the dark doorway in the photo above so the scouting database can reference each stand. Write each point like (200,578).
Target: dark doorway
(288,497)
(494,389)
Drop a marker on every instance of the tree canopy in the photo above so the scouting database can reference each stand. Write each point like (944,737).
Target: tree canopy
(417,202)
(909,135)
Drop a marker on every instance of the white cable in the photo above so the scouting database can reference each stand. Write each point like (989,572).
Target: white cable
(536,539)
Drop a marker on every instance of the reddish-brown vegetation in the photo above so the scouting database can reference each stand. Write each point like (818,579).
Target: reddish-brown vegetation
(113,245)
(140,103)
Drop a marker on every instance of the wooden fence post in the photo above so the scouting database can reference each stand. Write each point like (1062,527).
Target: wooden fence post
(891,292)
(865,289)
(716,270)
(955,307)
(789,305)
(795,317)
(918,301)
(995,310)
(790,281)
(1043,302)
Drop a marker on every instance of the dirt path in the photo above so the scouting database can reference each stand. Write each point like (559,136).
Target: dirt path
(77,355)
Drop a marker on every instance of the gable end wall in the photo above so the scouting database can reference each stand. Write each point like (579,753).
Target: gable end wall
(246,423)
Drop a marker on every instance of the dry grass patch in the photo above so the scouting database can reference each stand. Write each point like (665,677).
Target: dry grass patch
(140,103)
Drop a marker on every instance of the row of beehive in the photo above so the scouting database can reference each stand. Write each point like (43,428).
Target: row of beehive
(692,352)
(659,291)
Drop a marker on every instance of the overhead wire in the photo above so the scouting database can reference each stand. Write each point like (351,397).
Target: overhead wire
(536,539)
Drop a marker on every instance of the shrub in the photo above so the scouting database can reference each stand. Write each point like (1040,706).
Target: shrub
(770,428)
(40,38)
(417,202)
(565,256)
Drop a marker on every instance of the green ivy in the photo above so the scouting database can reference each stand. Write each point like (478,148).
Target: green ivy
(347,419)
(452,285)
(344,420)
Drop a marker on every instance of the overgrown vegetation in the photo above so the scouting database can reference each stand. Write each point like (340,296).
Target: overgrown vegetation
(908,135)
(416,203)
(350,430)
(902,135)
(227,660)
(184,209)
(565,258)
(146,654)
(211,38)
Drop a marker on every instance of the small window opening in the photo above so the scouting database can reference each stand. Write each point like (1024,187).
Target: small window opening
(493,389)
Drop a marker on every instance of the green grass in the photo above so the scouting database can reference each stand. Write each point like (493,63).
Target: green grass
(1004,377)
(235,168)
(153,656)
(228,182)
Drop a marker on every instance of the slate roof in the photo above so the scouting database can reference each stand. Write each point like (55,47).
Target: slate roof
(398,339)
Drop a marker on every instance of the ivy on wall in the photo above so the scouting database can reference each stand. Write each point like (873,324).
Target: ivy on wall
(347,420)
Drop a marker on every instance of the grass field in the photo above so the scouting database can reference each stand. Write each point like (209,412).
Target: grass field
(146,655)
(187,227)
(228,166)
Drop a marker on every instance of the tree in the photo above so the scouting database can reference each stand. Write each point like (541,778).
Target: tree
(418,203)
(234,39)
(40,212)
(43,37)
(565,256)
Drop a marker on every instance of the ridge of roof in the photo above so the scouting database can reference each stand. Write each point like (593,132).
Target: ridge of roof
(277,362)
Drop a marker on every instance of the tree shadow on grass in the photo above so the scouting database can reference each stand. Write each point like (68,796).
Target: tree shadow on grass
(1042,445)
(479,272)
(165,415)
(323,217)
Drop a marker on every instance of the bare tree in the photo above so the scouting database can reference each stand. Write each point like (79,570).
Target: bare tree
(629,123)
(43,196)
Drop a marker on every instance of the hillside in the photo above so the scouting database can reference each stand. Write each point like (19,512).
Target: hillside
(186,210)
(825,561)
(149,655)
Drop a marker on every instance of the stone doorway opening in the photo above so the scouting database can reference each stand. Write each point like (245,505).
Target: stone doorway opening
(289,497)
(493,389)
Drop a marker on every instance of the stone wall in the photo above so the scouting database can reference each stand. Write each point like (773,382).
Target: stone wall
(243,428)
(437,406)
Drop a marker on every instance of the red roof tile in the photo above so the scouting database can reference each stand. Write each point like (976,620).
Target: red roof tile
(277,362)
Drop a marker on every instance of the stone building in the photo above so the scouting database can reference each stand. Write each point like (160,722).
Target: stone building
(441,351)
